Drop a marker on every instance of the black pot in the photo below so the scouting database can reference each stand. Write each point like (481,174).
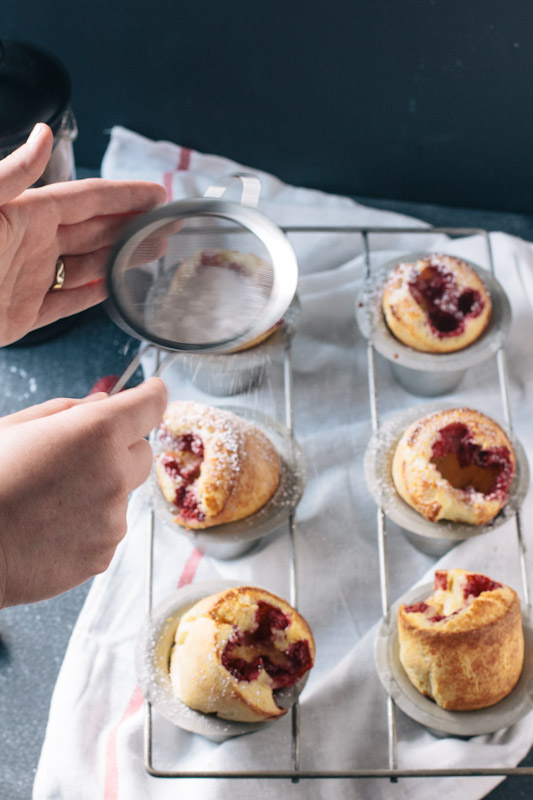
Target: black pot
(34,87)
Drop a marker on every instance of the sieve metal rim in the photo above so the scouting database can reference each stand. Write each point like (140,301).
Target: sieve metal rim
(272,237)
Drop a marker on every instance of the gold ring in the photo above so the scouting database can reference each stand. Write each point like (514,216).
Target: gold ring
(59,279)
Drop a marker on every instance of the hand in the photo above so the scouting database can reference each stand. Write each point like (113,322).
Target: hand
(66,470)
(77,220)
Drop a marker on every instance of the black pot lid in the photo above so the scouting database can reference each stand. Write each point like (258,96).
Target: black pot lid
(34,87)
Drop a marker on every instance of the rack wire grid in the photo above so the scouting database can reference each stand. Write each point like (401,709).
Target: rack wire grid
(392,771)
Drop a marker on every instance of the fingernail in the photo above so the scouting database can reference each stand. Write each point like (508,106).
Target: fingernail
(36,132)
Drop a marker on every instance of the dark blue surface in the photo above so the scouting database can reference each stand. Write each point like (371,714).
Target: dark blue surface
(33,638)
(419,100)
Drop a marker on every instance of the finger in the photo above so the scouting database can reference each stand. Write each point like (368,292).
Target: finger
(83,269)
(77,201)
(26,164)
(154,246)
(47,409)
(70,301)
(141,459)
(150,249)
(134,412)
(91,397)
(89,263)
(90,266)
(92,234)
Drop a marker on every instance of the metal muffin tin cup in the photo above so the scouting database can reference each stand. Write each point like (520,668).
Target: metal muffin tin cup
(424,710)
(223,375)
(429,374)
(152,660)
(432,538)
(234,539)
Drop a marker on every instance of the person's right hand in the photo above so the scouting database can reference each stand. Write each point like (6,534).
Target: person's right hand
(66,470)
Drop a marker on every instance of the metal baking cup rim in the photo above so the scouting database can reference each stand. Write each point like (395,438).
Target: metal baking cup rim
(152,654)
(273,514)
(424,710)
(378,474)
(371,321)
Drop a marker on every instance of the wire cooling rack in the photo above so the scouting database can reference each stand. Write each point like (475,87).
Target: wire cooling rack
(392,770)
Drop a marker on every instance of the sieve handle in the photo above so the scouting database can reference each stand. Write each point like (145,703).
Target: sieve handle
(130,369)
(135,363)
(251,187)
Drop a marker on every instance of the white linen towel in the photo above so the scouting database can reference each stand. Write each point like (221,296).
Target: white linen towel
(94,741)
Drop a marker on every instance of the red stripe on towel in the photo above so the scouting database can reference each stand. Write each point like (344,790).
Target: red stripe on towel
(185,159)
(137,698)
(189,570)
(167,184)
(111,767)
(184,162)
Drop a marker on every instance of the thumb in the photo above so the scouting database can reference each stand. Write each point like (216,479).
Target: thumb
(20,169)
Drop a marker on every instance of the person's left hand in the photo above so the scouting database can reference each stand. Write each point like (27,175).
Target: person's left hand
(76,221)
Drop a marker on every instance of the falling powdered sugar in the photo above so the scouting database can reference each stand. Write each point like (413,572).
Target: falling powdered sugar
(214,296)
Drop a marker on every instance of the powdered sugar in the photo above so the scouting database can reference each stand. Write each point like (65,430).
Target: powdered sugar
(214,295)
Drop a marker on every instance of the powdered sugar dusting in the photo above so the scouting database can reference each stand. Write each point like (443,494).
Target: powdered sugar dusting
(215,295)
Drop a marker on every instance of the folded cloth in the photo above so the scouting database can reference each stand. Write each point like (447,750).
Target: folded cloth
(94,741)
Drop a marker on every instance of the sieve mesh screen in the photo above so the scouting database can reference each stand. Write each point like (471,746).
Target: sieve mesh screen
(193,281)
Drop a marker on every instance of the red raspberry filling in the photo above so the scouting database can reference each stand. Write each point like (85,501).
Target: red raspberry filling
(185,472)
(212,258)
(441,579)
(467,466)
(436,291)
(240,668)
(416,608)
(285,668)
(269,619)
(184,443)
(421,608)
(299,662)
(475,584)
(187,503)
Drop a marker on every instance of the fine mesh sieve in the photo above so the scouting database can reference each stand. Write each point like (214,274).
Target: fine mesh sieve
(203,275)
